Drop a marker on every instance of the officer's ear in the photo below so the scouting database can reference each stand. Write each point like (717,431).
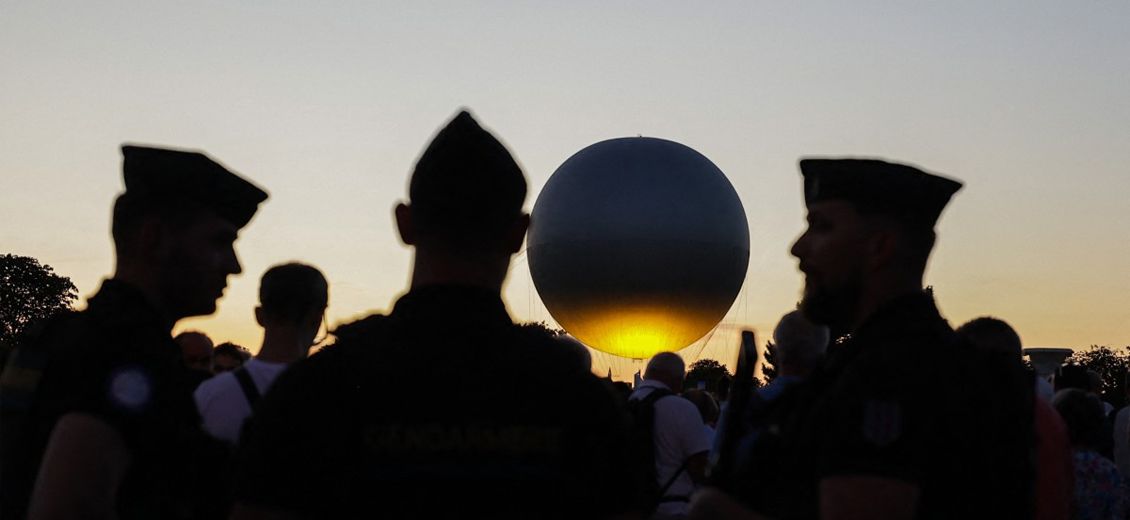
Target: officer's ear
(312,323)
(314,318)
(153,241)
(259,316)
(404,224)
(882,244)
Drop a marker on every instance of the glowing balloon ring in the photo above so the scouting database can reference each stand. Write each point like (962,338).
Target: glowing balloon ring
(638,246)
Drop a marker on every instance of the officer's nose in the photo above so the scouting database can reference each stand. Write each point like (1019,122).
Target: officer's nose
(231,263)
(799,245)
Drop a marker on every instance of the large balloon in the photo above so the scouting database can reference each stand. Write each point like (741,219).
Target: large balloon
(638,246)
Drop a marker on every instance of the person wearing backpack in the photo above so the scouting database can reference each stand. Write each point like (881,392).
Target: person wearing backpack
(679,443)
(292,301)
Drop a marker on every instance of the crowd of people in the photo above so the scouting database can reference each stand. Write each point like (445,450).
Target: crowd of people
(106,415)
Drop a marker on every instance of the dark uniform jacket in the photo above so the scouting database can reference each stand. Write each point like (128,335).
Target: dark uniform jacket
(115,361)
(442,409)
(903,398)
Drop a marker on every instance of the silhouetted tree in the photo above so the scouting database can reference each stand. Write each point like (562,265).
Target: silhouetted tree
(769,363)
(1111,367)
(540,326)
(29,292)
(707,370)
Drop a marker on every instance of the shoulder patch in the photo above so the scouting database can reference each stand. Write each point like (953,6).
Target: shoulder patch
(882,422)
(130,389)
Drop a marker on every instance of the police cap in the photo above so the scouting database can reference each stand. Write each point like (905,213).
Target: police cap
(163,174)
(466,176)
(879,187)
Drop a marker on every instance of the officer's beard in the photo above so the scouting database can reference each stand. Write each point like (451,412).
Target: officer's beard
(834,307)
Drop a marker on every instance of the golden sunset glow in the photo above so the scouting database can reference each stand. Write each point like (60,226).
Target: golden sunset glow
(637,332)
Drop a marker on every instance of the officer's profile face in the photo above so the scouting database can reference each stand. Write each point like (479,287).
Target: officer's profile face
(200,256)
(831,252)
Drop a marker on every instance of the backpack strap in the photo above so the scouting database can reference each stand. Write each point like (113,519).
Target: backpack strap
(655,395)
(663,490)
(250,391)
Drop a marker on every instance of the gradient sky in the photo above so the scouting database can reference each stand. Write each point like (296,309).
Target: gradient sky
(327,105)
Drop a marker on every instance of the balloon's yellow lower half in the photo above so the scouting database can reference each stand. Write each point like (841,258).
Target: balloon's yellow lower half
(638,298)
(638,330)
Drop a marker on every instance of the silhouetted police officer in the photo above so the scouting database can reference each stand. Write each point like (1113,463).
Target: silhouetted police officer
(506,424)
(903,420)
(98,411)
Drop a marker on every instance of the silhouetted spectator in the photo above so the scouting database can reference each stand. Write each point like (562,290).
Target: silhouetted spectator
(584,358)
(799,346)
(227,357)
(1095,386)
(707,408)
(330,440)
(292,303)
(680,441)
(196,350)
(724,383)
(1099,489)
(1054,470)
(623,390)
(1072,376)
(1079,378)
(1121,435)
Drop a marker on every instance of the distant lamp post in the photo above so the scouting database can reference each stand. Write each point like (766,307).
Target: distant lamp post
(1047,360)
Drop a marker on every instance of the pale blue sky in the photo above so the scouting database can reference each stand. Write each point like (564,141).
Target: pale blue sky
(328,104)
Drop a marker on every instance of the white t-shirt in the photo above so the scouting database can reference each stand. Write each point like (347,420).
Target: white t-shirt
(223,406)
(679,433)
